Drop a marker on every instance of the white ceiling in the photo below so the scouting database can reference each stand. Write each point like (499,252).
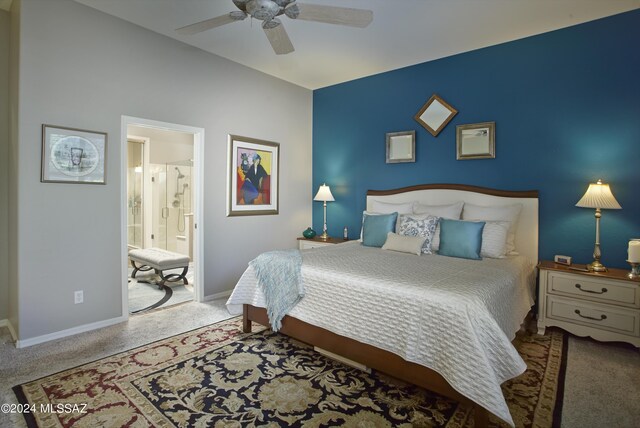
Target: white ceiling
(403,32)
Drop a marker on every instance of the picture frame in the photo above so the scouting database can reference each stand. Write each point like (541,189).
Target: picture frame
(253,177)
(476,141)
(435,115)
(71,155)
(401,147)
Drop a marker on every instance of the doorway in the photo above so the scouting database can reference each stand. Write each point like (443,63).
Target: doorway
(162,203)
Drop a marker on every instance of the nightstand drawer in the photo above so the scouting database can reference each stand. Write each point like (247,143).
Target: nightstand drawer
(603,317)
(307,245)
(595,289)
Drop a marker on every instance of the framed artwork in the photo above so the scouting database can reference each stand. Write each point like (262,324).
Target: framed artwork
(476,141)
(401,147)
(435,115)
(72,155)
(253,176)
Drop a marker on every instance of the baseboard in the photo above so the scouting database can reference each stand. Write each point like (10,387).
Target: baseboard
(68,332)
(216,296)
(7,323)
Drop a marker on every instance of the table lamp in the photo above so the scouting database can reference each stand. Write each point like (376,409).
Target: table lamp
(324,195)
(598,196)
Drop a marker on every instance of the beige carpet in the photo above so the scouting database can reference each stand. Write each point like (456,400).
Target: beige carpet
(218,376)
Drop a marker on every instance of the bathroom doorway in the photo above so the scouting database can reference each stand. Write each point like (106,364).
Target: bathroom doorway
(162,202)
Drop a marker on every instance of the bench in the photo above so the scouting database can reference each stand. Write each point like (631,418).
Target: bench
(159,260)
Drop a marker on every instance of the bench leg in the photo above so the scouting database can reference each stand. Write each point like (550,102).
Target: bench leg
(173,277)
(136,269)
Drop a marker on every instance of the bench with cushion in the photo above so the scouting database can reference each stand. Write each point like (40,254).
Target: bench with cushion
(159,260)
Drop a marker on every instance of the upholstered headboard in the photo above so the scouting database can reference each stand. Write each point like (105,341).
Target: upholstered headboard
(442,194)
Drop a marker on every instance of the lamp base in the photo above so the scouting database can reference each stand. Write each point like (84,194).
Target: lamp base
(324,236)
(635,270)
(596,266)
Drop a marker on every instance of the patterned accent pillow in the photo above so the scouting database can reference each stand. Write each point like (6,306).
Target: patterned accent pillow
(419,226)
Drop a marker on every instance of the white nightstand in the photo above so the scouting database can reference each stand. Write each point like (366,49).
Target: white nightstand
(315,242)
(603,305)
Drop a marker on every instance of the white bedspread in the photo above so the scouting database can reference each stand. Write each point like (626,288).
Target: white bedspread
(454,316)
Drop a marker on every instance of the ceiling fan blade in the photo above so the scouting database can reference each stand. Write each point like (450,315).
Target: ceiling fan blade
(208,24)
(330,14)
(278,37)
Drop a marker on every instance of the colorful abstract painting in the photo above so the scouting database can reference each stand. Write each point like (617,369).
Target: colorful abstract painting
(253,176)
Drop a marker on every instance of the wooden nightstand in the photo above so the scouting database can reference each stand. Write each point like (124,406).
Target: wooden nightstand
(315,242)
(604,305)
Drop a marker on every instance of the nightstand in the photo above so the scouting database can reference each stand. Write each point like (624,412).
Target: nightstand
(315,242)
(602,305)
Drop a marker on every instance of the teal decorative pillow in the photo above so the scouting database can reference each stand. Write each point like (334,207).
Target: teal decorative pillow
(460,238)
(376,227)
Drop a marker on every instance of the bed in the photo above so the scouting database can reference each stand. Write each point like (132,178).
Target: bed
(444,323)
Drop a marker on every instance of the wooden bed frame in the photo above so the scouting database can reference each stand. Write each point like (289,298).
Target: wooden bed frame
(385,361)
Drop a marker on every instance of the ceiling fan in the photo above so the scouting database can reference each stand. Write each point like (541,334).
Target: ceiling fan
(268,10)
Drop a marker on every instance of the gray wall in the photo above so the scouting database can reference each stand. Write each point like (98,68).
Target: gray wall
(14,103)
(82,68)
(4,153)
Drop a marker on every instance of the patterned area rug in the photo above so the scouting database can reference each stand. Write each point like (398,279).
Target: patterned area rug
(217,376)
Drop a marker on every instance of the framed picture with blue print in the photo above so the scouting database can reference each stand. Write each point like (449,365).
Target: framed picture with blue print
(253,176)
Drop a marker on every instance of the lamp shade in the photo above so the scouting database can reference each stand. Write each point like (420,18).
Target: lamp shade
(599,195)
(324,194)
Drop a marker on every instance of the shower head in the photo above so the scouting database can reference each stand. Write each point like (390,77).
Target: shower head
(180,175)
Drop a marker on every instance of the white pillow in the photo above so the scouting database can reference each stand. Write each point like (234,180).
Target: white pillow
(494,239)
(389,208)
(404,244)
(508,213)
(451,211)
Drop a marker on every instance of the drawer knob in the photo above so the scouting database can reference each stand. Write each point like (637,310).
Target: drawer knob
(602,317)
(579,287)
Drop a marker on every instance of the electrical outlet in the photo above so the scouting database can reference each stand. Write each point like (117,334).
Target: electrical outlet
(78,297)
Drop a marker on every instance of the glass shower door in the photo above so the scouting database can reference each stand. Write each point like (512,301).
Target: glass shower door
(135,216)
(160,211)
(171,203)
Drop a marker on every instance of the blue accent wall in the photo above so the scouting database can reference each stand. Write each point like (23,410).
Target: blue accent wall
(567,111)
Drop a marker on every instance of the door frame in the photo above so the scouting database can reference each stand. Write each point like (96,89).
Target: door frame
(198,199)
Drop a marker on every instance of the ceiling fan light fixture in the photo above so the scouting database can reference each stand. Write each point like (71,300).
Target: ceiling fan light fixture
(240,4)
(272,23)
(292,11)
(265,10)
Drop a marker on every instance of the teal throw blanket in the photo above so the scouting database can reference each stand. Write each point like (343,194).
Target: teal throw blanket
(279,276)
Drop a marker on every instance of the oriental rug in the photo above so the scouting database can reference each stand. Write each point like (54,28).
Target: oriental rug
(217,376)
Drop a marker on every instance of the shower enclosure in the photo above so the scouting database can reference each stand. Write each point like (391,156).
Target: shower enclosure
(159,201)
(172,224)
(135,197)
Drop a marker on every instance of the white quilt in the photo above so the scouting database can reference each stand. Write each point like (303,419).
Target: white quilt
(454,316)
